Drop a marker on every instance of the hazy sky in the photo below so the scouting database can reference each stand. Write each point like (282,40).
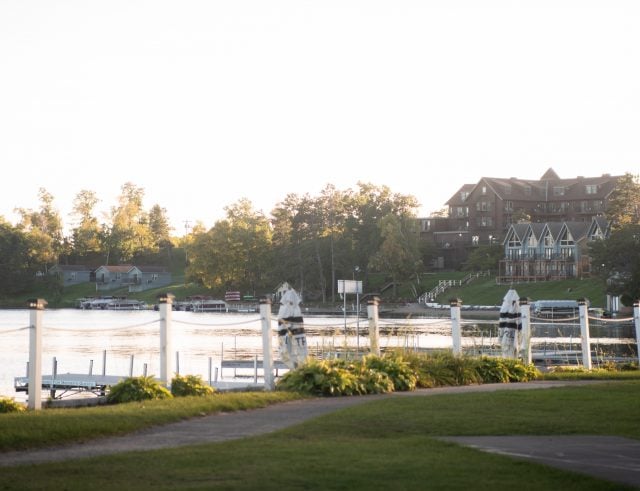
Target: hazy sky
(202,103)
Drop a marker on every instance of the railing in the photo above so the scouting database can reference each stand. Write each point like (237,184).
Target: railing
(444,285)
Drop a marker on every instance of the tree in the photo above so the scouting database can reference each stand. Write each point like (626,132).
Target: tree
(399,254)
(86,234)
(617,261)
(484,258)
(623,207)
(235,253)
(16,268)
(160,229)
(129,234)
(43,230)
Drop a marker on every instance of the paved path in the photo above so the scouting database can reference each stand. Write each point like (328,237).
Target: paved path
(240,424)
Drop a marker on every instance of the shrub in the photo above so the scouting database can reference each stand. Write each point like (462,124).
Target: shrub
(320,377)
(137,389)
(190,385)
(10,406)
(503,370)
(397,369)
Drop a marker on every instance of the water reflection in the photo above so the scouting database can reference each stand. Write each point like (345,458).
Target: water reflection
(79,339)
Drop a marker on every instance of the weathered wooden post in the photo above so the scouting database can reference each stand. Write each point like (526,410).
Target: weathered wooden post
(636,321)
(165,303)
(36,307)
(525,317)
(583,308)
(374,329)
(267,364)
(456,335)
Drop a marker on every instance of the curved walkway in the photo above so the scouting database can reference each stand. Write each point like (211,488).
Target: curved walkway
(228,426)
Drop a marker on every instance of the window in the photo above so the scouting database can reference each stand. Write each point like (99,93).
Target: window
(484,222)
(508,206)
(484,189)
(558,190)
(591,189)
(460,211)
(483,206)
(527,190)
(426,225)
(464,195)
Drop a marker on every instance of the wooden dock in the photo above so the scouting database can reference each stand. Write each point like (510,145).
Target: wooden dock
(71,383)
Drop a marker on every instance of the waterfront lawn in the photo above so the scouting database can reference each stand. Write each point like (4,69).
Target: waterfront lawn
(386,444)
(58,426)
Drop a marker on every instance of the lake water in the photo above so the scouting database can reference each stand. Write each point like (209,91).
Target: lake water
(78,338)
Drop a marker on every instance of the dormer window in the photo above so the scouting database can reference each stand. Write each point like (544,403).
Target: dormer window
(591,189)
(464,195)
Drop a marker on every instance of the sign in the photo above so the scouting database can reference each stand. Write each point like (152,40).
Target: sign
(349,286)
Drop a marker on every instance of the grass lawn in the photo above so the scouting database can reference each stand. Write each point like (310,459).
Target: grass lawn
(386,444)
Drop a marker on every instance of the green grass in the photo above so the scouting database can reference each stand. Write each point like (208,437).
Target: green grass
(57,426)
(481,291)
(385,444)
(484,291)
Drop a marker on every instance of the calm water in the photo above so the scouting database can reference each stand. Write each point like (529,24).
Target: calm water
(76,337)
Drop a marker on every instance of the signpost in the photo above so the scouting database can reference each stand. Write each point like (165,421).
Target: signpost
(350,287)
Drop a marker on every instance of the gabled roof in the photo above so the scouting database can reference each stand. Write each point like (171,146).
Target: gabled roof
(543,189)
(456,199)
(578,230)
(122,268)
(550,174)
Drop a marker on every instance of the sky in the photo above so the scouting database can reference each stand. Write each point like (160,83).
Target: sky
(203,103)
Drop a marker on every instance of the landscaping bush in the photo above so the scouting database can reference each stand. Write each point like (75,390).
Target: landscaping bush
(190,385)
(397,369)
(503,370)
(137,389)
(322,378)
(10,406)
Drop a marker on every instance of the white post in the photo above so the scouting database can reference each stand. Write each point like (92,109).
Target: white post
(36,306)
(456,335)
(636,321)
(525,317)
(584,333)
(267,364)
(166,361)
(374,330)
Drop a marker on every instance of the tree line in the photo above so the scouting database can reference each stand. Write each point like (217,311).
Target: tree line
(307,241)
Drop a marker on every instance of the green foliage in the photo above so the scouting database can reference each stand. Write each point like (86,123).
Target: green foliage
(137,389)
(442,368)
(397,369)
(496,370)
(10,406)
(190,385)
(321,378)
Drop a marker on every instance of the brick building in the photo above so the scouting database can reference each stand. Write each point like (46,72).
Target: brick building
(482,213)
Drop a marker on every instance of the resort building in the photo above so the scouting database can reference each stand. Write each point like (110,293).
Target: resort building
(483,213)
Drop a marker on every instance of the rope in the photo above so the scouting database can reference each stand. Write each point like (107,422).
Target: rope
(102,329)
(216,325)
(613,321)
(14,330)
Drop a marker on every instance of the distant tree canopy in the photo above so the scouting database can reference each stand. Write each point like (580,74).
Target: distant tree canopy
(617,261)
(623,207)
(310,242)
